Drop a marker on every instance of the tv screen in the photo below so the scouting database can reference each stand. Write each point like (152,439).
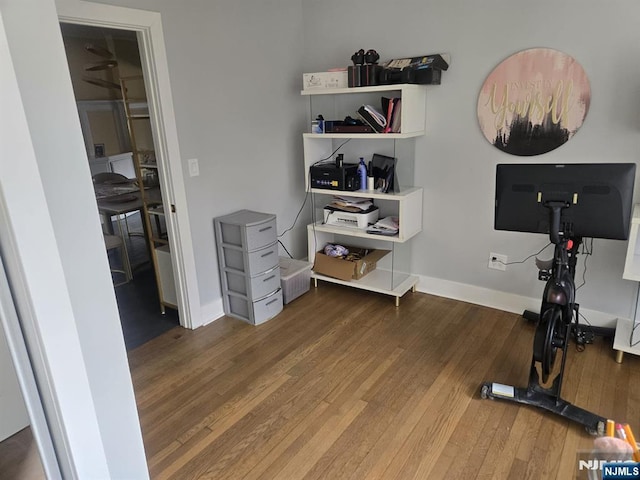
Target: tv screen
(597,198)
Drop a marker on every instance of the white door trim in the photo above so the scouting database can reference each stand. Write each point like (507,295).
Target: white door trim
(148,26)
(35,306)
(10,324)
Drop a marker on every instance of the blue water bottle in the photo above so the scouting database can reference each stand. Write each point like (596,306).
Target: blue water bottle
(362,174)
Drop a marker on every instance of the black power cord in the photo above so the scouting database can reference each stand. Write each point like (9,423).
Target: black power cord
(306,196)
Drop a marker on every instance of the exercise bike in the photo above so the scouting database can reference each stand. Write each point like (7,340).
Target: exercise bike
(558,317)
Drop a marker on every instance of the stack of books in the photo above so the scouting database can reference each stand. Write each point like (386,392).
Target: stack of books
(385,121)
(393,108)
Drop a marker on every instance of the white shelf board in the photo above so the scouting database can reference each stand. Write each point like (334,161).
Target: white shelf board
(393,196)
(622,337)
(377,281)
(632,270)
(356,232)
(376,88)
(368,136)
(632,260)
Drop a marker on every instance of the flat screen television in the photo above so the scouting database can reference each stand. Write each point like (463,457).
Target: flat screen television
(595,198)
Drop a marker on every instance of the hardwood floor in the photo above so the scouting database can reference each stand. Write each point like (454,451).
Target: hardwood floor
(343,385)
(19,457)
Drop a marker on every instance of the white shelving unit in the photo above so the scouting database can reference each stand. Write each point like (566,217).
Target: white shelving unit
(391,276)
(621,342)
(406,204)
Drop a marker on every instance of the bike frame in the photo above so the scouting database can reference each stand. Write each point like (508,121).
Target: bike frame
(559,293)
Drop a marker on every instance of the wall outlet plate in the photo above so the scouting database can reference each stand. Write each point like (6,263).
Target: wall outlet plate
(497,261)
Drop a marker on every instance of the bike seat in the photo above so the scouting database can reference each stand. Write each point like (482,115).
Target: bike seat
(544,264)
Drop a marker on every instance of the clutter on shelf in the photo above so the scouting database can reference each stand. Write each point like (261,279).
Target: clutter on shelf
(385,226)
(367,72)
(353,212)
(352,265)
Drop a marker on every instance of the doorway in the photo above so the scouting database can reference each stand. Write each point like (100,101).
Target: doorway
(106,71)
(147,27)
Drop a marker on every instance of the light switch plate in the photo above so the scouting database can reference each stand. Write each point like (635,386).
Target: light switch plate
(194,168)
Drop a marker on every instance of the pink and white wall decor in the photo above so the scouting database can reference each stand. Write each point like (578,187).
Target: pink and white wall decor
(533,102)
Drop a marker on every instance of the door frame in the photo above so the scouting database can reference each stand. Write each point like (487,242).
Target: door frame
(10,327)
(148,27)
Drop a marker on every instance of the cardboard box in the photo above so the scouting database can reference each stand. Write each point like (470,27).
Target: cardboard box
(348,269)
(337,79)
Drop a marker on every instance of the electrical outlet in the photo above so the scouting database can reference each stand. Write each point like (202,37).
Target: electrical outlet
(497,261)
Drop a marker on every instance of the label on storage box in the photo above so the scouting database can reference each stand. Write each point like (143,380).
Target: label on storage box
(363,268)
(336,79)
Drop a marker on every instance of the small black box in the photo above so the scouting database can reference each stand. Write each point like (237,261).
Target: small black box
(331,177)
(339,126)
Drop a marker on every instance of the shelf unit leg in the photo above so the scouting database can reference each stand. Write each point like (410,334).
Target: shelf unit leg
(619,355)
(315,282)
(397,301)
(413,289)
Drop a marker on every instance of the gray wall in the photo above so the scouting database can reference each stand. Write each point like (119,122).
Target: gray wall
(454,162)
(235,72)
(236,77)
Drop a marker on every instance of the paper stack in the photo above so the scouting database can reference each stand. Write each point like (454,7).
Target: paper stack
(385,226)
(351,204)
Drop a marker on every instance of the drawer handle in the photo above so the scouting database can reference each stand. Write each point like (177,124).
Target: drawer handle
(271,295)
(271,301)
(267,254)
(264,229)
(269,278)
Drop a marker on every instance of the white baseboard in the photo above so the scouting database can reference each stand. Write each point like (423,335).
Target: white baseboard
(508,302)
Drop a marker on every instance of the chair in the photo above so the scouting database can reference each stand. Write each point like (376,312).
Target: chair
(112,242)
(116,178)
(109,177)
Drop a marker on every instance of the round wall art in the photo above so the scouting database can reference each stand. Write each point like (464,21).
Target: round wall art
(533,102)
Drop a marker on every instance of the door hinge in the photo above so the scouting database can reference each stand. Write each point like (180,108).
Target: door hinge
(173,208)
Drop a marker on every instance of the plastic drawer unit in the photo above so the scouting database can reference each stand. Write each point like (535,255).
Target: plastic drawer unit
(247,246)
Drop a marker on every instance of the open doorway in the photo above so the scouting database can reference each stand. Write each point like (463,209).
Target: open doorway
(147,26)
(108,83)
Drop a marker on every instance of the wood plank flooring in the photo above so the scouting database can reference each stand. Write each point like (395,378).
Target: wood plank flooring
(343,385)
(19,457)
